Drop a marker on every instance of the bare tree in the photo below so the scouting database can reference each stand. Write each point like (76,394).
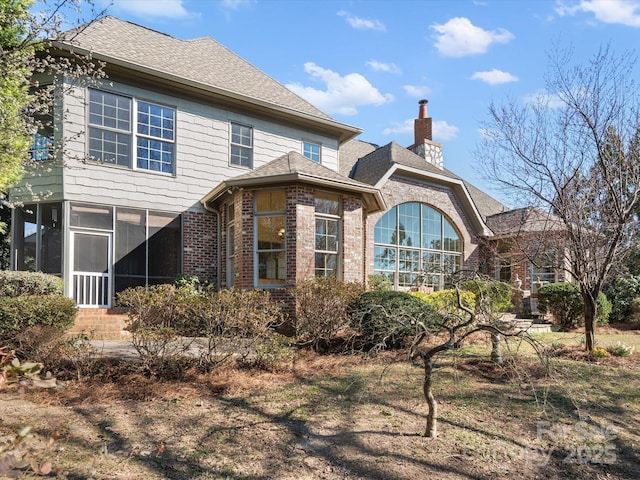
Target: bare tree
(449,332)
(574,153)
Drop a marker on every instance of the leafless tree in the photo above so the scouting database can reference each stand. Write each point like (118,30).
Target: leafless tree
(574,153)
(449,332)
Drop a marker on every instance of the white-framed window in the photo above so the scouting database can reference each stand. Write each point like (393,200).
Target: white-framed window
(311,151)
(270,251)
(327,213)
(241,145)
(112,126)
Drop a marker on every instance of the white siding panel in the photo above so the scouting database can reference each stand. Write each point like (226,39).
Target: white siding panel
(202,155)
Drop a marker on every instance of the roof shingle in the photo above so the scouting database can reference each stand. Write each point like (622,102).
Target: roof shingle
(201,60)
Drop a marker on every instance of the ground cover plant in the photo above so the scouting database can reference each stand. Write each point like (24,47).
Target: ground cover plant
(345,417)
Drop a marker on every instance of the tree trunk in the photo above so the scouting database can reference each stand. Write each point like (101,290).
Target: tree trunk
(432,419)
(590,307)
(496,351)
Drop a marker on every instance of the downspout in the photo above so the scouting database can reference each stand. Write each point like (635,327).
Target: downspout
(218,240)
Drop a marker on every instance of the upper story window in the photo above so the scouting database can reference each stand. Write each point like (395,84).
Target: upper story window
(42,117)
(111,132)
(155,137)
(311,151)
(416,246)
(241,145)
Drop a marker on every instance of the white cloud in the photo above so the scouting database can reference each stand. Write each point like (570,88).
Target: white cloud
(625,12)
(441,130)
(494,77)
(362,23)
(400,128)
(459,37)
(544,97)
(233,4)
(418,91)
(153,8)
(383,67)
(343,94)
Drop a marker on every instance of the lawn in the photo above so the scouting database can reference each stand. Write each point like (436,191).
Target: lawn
(345,417)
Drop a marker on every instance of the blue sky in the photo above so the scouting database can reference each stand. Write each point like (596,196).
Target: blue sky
(368,62)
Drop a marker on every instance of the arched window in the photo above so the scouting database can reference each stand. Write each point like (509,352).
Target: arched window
(416,246)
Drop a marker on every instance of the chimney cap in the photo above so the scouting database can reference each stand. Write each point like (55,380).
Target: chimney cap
(423,102)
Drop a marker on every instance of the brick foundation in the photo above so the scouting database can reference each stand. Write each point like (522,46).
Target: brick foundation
(101,323)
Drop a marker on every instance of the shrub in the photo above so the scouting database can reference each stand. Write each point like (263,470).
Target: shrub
(623,294)
(445,302)
(564,301)
(620,350)
(322,310)
(492,298)
(235,324)
(164,321)
(16,284)
(604,309)
(19,313)
(158,323)
(379,281)
(599,352)
(385,319)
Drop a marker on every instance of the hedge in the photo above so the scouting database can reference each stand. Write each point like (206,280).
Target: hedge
(16,284)
(19,313)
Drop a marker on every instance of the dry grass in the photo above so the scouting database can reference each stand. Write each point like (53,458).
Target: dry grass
(341,417)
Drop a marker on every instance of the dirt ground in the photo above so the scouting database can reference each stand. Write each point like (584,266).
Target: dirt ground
(333,417)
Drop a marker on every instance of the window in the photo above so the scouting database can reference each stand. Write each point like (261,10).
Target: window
(155,137)
(111,132)
(541,274)
(416,246)
(110,128)
(42,116)
(241,145)
(147,248)
(311,151)
(37,240)
(231,245)
(327,235)
(270,258)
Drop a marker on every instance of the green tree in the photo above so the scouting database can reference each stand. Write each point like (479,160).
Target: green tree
(16,67)
(26,101)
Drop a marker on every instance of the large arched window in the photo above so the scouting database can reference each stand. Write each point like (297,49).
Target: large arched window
(416,246)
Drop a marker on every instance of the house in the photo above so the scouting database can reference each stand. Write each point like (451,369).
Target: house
(187,160)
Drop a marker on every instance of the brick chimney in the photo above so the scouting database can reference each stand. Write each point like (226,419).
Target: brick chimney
(423,138)
(422,126)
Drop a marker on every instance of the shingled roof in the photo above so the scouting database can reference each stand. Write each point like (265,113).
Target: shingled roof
(200,62)
(374,166)
(293,167)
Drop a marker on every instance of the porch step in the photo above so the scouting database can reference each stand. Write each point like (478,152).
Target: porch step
(101,323)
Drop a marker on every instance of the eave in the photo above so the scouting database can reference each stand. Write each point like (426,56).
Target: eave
(372,197)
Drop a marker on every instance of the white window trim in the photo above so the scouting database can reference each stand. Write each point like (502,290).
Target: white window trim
(232,144)
(133,158)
